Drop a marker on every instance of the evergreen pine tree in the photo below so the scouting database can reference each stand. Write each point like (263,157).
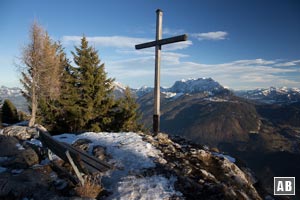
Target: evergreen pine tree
(69,112)
(127,116)
(9,112)
(87,95)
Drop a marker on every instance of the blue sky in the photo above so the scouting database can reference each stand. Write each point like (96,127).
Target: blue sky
(241,44)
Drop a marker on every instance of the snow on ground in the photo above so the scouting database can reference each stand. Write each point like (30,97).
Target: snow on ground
(216,99)
(131,155)
(231,159)
(35,142)
(173,95)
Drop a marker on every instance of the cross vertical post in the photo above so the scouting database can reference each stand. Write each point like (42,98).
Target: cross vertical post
(158,44)
(156,115)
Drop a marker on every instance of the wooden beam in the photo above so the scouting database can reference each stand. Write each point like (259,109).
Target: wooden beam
(170,40)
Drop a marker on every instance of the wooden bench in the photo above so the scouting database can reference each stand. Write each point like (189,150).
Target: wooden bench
(84,162)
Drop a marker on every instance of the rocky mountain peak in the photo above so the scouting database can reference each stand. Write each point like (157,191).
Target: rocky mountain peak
(193,85)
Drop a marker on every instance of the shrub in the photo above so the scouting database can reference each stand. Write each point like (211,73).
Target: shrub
(90,189)
(9,113)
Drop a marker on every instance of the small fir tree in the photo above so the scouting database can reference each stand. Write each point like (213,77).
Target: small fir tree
(9,112)
(127,116)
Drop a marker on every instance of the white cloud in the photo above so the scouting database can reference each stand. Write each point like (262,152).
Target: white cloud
(177,46)
(239,74)
(288,64)
(106,41)
(121,42)
(218,35)
(136,68)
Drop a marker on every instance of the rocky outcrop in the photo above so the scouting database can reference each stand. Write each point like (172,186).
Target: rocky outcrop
(20,132)
(201,174)
(25,172)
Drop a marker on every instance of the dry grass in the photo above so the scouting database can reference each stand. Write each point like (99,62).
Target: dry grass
(90,189)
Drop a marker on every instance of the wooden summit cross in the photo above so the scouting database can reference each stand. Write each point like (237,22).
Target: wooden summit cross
(157,44)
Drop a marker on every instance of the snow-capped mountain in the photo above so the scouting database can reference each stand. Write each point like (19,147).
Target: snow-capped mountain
(142,91)
(189,86)
(196,86)
(14,94)
(119,89)
(272,95)
(6,92)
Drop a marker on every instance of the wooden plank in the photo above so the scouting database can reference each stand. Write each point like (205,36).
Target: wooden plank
(75,168)
(170,40)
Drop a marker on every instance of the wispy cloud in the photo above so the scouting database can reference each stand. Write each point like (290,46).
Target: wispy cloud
(106,41)
(120,42)
(288,64)
(136,68)
(170,31)
(239,74)
(218,35)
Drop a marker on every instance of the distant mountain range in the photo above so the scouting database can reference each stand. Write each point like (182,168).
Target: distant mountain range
(189,86)
(208,86)
(14,94)
(271,95)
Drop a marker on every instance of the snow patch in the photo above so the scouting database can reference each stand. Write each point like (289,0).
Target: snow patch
(216,99)
(131,156)
(35,142)
(231,159)
(154,187)
(172,95)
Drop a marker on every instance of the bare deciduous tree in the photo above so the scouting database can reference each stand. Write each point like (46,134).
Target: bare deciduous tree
(41,69)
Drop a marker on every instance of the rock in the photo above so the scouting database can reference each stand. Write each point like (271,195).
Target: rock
(187,170)
(42,152)
(206,175)
(30,157)
(29,183)
(82,144)
(8,146)
(160,160)
(215,149)
(163,138)
(24,159)
(203,155)
(20,132)
(202,174)
(99,152)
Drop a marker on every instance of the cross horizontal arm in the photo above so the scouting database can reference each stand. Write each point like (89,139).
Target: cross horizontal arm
(170,40)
